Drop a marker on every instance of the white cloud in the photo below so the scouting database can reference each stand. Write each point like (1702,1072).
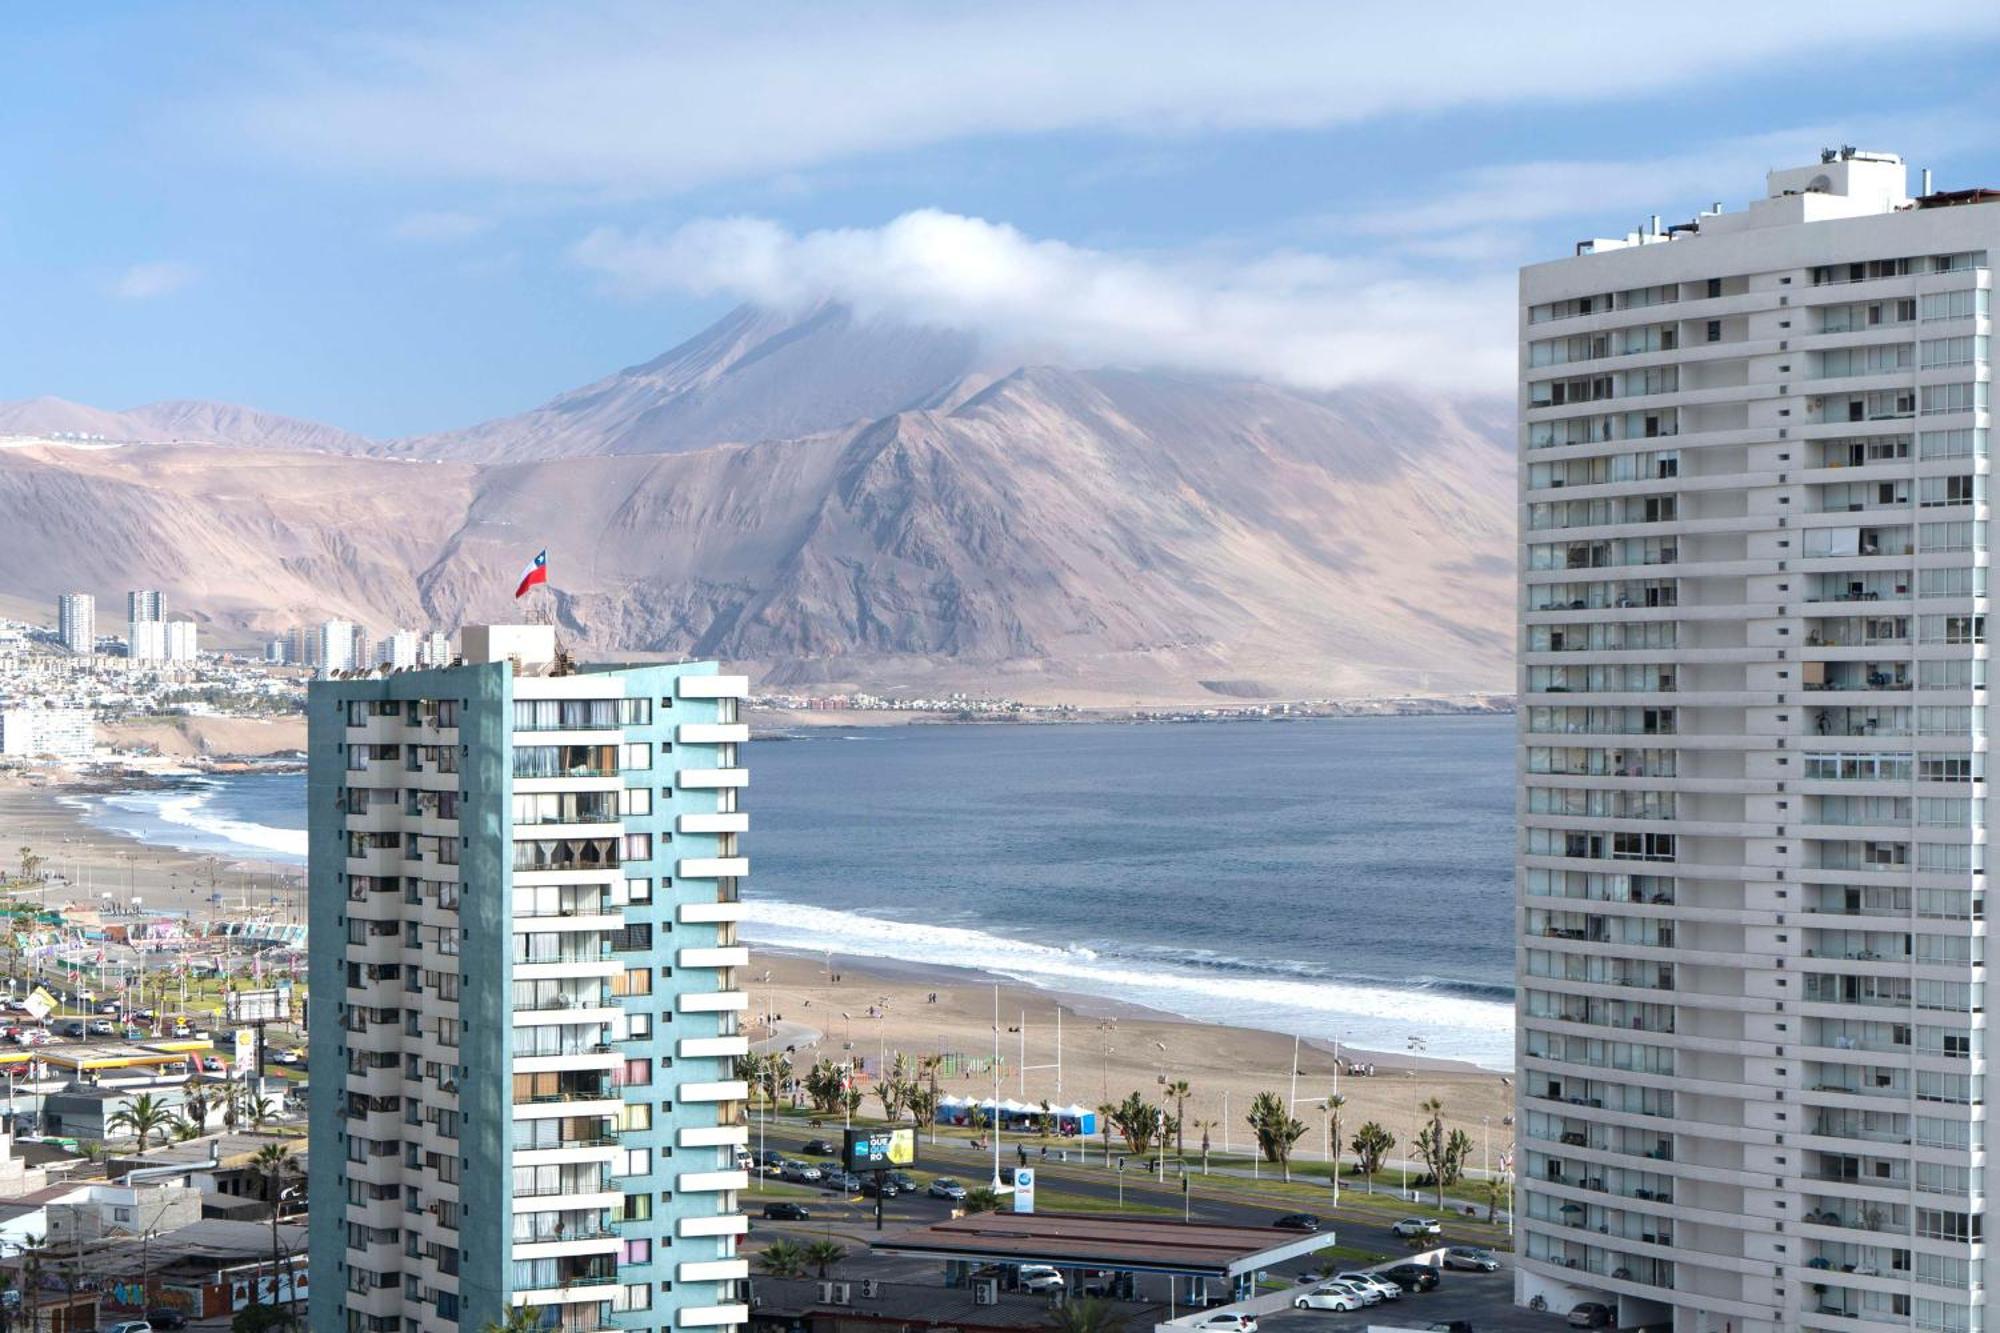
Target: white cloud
(146,282)
(1297,318)
(440,227)
(646,98)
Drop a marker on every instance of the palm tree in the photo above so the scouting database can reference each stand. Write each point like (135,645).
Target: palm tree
(1105,1110)
(1333,1107)
(980,1199)
(32,1262)
(783,1258)
(275,1165)
(1089,1315)
(520,1319)
(1431,1144)
(1206,1127)
(259,1109)
(195,1106)
(1277,1129)
(183,1129)
(1371,1145)
(823,1254)
(145,1116)
(1179,1090)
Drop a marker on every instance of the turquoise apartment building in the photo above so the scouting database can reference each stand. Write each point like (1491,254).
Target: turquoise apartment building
(524,896)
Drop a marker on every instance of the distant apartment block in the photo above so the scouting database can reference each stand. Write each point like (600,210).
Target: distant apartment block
(143,606)
(1753,750)
(36,733)
(157,641)
(398,649)
(76,622)
(524,895)
(336,646)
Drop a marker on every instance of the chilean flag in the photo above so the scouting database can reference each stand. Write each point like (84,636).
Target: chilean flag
(536,572)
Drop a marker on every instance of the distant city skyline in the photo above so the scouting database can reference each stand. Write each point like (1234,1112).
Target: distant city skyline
(380,223)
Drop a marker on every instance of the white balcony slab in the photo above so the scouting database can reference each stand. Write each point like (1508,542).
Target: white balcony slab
(728,1090)
(710,1048)
(712,1002)
(729,956)
(709,1182)
(734,821)
(712,867)
(712,687)
(704,913)
(725,1224)
(712,1270)
(712,1136)
(712,733)
(708,779)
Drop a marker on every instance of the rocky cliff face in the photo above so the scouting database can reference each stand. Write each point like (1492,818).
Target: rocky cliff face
(833,504)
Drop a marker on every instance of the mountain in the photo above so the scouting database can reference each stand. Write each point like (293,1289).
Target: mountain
(755,375)
(177,420)
(831,503)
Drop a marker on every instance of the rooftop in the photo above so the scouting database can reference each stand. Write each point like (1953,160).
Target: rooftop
(1130,1244)
(908,1305)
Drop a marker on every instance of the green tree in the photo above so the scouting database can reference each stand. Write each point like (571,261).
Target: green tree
(1139,1122)
(34,1262)
(182,1129)
(1457,1149)
(1276,1128)
(1334,1105)
(1089,1315)
(821,1255)
(1207,1127)
(142,1118)
(980,1199)
(520,1319)
(1105,1110)
(1179,1091)
(1372,1144)
(783,1258)
(1434,1146)
(274,1165)
(31,865)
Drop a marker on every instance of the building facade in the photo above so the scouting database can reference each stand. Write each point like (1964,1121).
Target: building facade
(163,641)
(35,732)
(76,622)
(142,605)
(1753,740)
(524,892)
(336,646)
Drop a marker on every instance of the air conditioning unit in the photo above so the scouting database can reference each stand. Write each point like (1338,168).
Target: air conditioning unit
(986,1291)
(870,1288)
(836,1293)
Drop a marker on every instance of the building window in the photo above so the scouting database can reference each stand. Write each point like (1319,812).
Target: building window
(638,890)
(638,1073)
(638,756)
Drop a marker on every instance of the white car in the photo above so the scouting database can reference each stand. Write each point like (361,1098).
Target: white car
(944,1187)
(1330,1296)
(1230,1323)
(1040,1277)
(1419,1226)
(1381,1286)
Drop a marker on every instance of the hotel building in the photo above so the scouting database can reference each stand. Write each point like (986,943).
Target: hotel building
(1753,743)
(524,880)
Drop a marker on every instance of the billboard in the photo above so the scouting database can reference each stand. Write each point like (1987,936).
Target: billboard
(879,1149)
(40,1003)
(258,1006)
(1024,1189)
(246,1050)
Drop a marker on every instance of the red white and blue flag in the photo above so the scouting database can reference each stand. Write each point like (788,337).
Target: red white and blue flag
(536,572)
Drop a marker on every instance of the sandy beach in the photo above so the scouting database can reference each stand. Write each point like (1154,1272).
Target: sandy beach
(1108,1049)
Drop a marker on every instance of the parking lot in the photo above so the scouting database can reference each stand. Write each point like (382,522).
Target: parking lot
(1482,1299)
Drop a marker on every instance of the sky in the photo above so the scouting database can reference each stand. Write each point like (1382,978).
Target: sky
(399,219)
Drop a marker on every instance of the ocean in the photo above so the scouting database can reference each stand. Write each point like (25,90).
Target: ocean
(1343,878)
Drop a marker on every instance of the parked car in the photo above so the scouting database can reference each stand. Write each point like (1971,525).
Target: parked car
(167,1319)
(1040,1277)
(1383,1288)
(1592,1314)
(1297,1222)
(872,1185)
(103,1027)
(1329,1296)
(1412,1277)
(944,1187)
(291,1057)
(1451,1326)
(1233,1323)
(107,1008)
(1471,1257)
(804,1173)
(130,1326)
(845,1181)
(820,1148)
(787,1212)
(903,1181)
(1418,1226)
(212,1064)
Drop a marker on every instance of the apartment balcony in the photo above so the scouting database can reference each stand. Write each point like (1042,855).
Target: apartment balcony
(726,1090)
(720,1224)
(734,821)
(712,1316)
(712,1136)
(711,1270)
(729,956)
(582,1059)
(712,867)
(711,779)
(694,1048)
(711,1182)
(712,687)
(700,913)
(710,1002)
(712,733)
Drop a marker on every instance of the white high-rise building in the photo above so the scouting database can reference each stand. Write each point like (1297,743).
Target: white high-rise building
(1753,743)
(434,650)
(76,622)
(397,649)
(145,605)
(36,733)
(525,893)
(162,641)
(336,646)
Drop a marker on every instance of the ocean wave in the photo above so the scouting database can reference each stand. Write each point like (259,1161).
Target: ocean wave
(192,807)
(1369,1015)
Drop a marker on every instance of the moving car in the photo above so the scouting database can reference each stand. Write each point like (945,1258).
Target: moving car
(800,1172)
(1375,1282)
(944,1187)
(103,1027)
(1329,1296)
(873,1185)
(1232,1323)
(1592,1314)
(291,1057)
(1471,1257)
(1411,1277)
(787,1212)
(820,1148)
(845,1181)
(1419,1226)
(1297,1222)
(1040,1277)
(167,1319)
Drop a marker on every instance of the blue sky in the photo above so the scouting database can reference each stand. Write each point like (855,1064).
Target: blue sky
(405,219)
